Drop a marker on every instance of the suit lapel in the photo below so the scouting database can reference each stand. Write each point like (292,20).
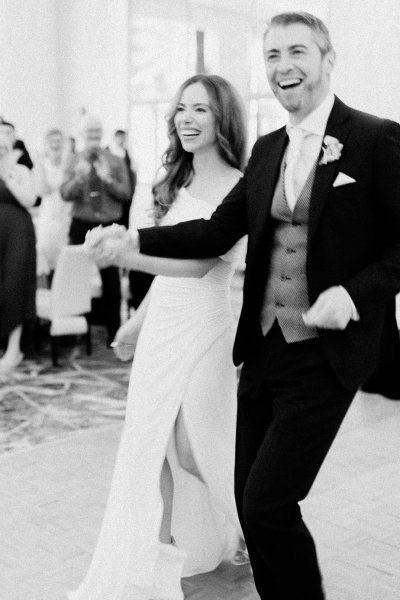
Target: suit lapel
(338,126)
(266,175)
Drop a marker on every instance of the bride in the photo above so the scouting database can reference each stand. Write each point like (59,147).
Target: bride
(173,478)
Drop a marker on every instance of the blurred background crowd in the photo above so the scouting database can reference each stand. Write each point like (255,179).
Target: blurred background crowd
(63,191)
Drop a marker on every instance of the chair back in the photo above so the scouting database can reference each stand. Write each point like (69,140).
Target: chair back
(71,285)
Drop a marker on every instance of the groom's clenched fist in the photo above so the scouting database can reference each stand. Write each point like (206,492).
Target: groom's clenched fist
(333,309)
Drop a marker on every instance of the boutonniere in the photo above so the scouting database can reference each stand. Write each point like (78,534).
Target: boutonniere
(332,150)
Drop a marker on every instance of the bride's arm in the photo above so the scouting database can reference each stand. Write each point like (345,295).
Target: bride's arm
(169,267)
(143,307)
(127,335)
(114,247)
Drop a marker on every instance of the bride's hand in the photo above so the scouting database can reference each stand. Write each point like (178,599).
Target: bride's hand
(126,338)
(106,252)
(105,245)
(118,251)
(100,233)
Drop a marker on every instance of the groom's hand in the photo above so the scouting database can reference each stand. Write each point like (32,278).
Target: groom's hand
(333,309)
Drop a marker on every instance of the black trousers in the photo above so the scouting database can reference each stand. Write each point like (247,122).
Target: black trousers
(290,406)
(110,310)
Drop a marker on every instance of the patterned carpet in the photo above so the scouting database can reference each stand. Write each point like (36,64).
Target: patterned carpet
(41,403)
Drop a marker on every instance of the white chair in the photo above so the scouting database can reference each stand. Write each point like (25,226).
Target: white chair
(68,303)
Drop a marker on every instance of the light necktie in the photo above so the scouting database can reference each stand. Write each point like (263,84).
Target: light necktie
(293,165)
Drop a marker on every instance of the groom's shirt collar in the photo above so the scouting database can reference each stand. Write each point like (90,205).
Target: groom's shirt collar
(316,121)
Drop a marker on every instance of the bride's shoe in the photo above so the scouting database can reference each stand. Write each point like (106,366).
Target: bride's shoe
(168,573)
(241,556)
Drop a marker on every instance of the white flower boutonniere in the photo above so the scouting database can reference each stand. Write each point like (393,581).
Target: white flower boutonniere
(332,150)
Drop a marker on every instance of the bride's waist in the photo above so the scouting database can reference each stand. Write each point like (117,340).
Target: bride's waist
(190,286)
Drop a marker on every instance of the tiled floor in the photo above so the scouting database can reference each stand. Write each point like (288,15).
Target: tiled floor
(41,403)
(53,488)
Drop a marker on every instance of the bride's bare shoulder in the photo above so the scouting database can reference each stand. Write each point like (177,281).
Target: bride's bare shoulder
(232,176)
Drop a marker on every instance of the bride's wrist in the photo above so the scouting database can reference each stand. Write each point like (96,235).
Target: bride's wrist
(134,239)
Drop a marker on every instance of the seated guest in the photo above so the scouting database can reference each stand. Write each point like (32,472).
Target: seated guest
(54,215)
(17,255)
(97,184)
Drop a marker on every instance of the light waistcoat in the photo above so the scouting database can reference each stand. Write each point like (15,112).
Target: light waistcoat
(286,295)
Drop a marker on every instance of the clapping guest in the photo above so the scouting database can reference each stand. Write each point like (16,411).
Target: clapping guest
(54,215)
(97,184)
(17,254)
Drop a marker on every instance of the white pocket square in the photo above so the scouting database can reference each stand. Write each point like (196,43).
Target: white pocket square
(343,179)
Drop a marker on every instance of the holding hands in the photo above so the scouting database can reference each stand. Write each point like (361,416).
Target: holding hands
(111,245)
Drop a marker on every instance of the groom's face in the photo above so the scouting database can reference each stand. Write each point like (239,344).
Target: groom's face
(297,71)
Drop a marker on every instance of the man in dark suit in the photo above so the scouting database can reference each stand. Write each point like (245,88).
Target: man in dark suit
(320,203)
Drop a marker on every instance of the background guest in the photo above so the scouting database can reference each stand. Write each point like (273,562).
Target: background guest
(119,148)
(17,254)
(97,184)
(22,153)
(71,143)
(54,215)
(139,283)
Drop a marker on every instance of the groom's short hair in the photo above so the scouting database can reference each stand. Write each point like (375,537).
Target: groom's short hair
(322,36)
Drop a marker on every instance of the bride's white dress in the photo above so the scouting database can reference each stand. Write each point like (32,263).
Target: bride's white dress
(182,362)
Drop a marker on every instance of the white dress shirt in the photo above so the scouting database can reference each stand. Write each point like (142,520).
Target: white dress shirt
(311,131)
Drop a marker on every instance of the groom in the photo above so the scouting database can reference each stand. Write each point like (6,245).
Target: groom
(320,203)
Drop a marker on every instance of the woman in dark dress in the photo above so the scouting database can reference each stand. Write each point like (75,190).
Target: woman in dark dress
(17,255)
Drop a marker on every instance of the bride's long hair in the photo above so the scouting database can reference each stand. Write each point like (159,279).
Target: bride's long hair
(231,134)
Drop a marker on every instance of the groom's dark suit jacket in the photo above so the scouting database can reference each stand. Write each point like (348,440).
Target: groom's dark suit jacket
(353,241)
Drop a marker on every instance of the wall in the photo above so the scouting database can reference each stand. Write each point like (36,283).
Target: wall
(366,35)
(28,74)
(58,56)
(93,62)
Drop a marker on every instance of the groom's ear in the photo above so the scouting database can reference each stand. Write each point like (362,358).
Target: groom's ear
(330,60)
